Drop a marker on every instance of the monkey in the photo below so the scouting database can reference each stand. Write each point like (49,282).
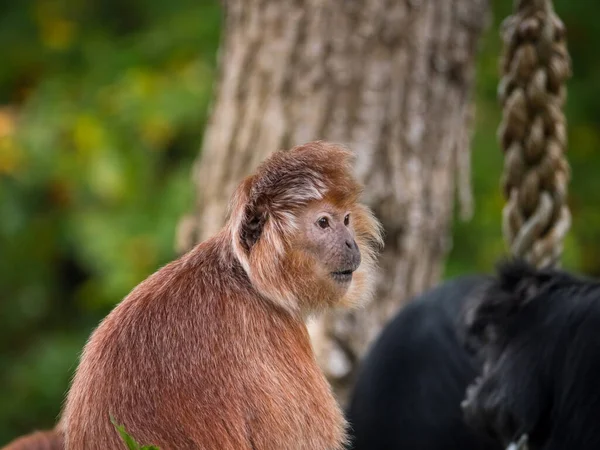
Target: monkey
(482,360)
(38,440)
(212,351)
(536,332)
(412,381)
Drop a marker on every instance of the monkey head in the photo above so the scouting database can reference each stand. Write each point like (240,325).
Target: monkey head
(533,331)
(326,232)
(300,233)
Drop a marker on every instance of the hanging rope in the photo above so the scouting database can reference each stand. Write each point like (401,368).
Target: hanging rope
(535,67)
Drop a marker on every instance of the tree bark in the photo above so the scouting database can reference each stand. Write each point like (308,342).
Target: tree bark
(392,80)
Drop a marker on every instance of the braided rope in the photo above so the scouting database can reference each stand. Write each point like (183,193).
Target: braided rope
(535,67)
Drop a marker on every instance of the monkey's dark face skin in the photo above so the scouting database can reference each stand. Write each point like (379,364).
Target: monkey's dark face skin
(538,335)
(329,234)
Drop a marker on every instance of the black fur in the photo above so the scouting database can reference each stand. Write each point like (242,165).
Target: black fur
(537,333)
(541,352)
(414,378)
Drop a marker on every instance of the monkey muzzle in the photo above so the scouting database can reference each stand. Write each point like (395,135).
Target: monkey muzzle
(350,262)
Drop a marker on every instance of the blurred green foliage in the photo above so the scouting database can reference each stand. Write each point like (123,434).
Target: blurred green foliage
(102,108)
(478,243)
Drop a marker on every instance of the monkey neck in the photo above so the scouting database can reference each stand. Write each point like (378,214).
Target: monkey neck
(215,260)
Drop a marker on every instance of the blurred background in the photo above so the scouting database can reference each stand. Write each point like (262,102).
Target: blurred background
(102,110)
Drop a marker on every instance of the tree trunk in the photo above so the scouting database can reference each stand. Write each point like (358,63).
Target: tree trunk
(392,80)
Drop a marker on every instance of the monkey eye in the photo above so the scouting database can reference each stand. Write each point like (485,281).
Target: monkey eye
(323,222)
(347,220)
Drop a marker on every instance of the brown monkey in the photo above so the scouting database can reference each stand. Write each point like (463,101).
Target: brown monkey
(212,352)
(38,440)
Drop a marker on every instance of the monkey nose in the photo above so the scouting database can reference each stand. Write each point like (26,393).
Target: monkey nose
(353,253)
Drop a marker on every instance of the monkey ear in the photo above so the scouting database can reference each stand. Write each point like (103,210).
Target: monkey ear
(245,223)
(252,226)
(248,216)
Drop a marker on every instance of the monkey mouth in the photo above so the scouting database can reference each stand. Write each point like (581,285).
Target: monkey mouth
(342,276)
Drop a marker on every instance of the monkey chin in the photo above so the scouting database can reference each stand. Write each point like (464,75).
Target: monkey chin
(341,284)
(356,292)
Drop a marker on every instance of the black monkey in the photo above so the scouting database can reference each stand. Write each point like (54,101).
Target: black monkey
(532,336)
(412,382)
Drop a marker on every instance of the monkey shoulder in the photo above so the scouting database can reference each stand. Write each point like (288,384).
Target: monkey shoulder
(195,344)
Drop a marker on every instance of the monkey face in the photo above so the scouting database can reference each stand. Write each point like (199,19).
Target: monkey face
(331,258)
(328,235)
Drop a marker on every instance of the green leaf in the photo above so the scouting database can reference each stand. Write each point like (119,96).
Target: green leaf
(131,443)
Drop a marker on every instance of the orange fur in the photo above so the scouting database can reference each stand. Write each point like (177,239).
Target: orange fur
(211,351)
